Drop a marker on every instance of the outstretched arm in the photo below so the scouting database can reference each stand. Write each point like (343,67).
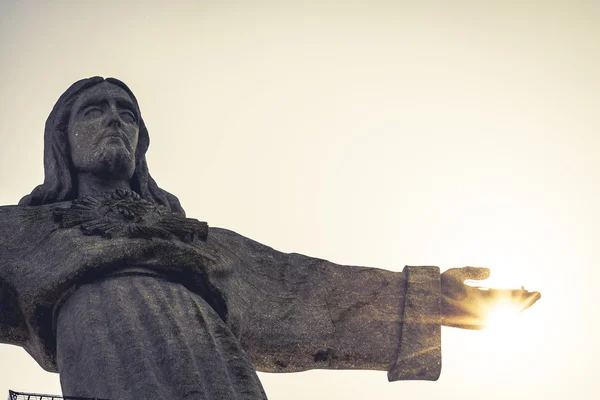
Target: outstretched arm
(304,313)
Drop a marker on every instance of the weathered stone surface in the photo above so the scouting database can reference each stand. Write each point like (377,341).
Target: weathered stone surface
(104,280)
(420,351)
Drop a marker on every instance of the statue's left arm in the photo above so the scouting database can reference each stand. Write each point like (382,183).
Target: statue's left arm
(13,329)
(301,313)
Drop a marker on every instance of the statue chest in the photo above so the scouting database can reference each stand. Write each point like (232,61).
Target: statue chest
(47,252)
(93,236)
(66,256)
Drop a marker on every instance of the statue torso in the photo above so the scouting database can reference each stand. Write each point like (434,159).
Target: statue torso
(47,252)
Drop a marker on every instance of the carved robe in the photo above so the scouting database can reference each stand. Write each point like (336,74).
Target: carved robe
(151,316)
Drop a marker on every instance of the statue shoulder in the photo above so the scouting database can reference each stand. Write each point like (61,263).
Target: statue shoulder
(9,216)
(9,208)
(250,250)
(19,214)
(225,238)
(15,210)
(20,226)
(222,233)
(229,238)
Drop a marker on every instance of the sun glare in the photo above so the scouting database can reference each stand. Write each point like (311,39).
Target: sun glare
(502,316)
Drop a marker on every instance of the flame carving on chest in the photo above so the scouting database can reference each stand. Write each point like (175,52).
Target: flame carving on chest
(124,213)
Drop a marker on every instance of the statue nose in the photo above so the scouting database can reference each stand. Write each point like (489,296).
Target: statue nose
(115,120)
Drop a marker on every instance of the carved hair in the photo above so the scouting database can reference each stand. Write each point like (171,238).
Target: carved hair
(59,182)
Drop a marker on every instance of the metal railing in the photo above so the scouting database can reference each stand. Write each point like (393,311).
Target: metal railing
(34,396)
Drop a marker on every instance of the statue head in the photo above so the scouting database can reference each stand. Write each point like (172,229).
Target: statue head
(103,133)
(96,127)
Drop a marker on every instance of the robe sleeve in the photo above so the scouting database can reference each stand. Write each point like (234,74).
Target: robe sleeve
(13,329)
(301,313)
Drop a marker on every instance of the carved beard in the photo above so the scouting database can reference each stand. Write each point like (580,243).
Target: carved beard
(111,162)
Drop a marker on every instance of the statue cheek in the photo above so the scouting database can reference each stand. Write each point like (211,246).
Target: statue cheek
(81,141)
(77,153)
(134,141)
(87,133)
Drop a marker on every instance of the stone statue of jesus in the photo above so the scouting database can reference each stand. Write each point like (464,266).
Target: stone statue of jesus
(104,280)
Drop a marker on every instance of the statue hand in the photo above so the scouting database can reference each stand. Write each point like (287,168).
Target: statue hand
(467,307)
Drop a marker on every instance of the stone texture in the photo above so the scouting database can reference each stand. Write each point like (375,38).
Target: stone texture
(281,312)
(105,280)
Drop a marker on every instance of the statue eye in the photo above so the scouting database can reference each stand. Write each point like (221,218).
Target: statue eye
(93,112)
(128,117)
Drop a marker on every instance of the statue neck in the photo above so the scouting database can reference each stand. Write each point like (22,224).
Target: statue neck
(90,185)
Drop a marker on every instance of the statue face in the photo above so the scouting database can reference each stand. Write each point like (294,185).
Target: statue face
(103,132)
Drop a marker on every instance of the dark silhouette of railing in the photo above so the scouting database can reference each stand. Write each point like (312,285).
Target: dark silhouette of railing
(34,396)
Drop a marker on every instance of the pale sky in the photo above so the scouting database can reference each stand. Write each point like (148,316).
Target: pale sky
(363,132)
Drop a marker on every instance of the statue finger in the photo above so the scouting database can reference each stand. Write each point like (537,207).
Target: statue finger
(452,284)
(453,273)
(528,299)
(474,273)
